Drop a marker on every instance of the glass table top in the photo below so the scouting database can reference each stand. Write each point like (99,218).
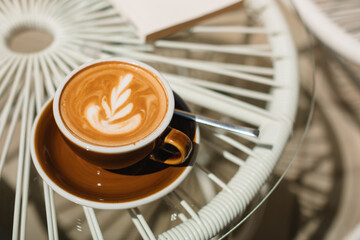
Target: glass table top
(241,67)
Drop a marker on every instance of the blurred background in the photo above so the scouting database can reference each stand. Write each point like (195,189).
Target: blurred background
(318,198)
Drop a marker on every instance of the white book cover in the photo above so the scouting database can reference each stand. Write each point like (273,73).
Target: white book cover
(158,18)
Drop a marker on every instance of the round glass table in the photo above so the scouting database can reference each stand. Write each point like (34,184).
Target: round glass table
(240,68)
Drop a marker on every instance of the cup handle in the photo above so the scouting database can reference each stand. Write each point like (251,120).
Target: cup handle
(181,142)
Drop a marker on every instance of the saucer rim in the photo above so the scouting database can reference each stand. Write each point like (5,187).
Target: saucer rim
(108,205)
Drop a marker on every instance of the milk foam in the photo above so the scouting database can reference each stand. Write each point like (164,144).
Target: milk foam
(113,104)
(119,95)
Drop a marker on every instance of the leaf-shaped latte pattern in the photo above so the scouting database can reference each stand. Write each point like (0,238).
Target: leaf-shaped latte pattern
(115,111)
(113,104)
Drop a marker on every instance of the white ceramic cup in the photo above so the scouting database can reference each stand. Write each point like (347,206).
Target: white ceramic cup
(126,155)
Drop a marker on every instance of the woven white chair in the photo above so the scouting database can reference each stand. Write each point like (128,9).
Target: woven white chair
(240,67)
(335,23)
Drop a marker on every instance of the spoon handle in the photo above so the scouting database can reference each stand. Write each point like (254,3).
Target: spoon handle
(253,132)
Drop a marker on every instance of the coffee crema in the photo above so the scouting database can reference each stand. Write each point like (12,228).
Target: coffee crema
(113,104)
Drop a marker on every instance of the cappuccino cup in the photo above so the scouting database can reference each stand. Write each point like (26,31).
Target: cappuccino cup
(116,112)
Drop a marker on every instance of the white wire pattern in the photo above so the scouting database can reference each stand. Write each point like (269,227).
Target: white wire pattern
(335,23)
(261,92)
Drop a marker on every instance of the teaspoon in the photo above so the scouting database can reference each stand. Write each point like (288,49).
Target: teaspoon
(253,132)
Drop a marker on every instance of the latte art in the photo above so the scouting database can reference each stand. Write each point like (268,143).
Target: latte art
(113,104)
(110,125)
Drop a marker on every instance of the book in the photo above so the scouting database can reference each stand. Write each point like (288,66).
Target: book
(154,19)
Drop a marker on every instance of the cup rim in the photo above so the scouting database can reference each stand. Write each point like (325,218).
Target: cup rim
(113,149)
(102,205)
